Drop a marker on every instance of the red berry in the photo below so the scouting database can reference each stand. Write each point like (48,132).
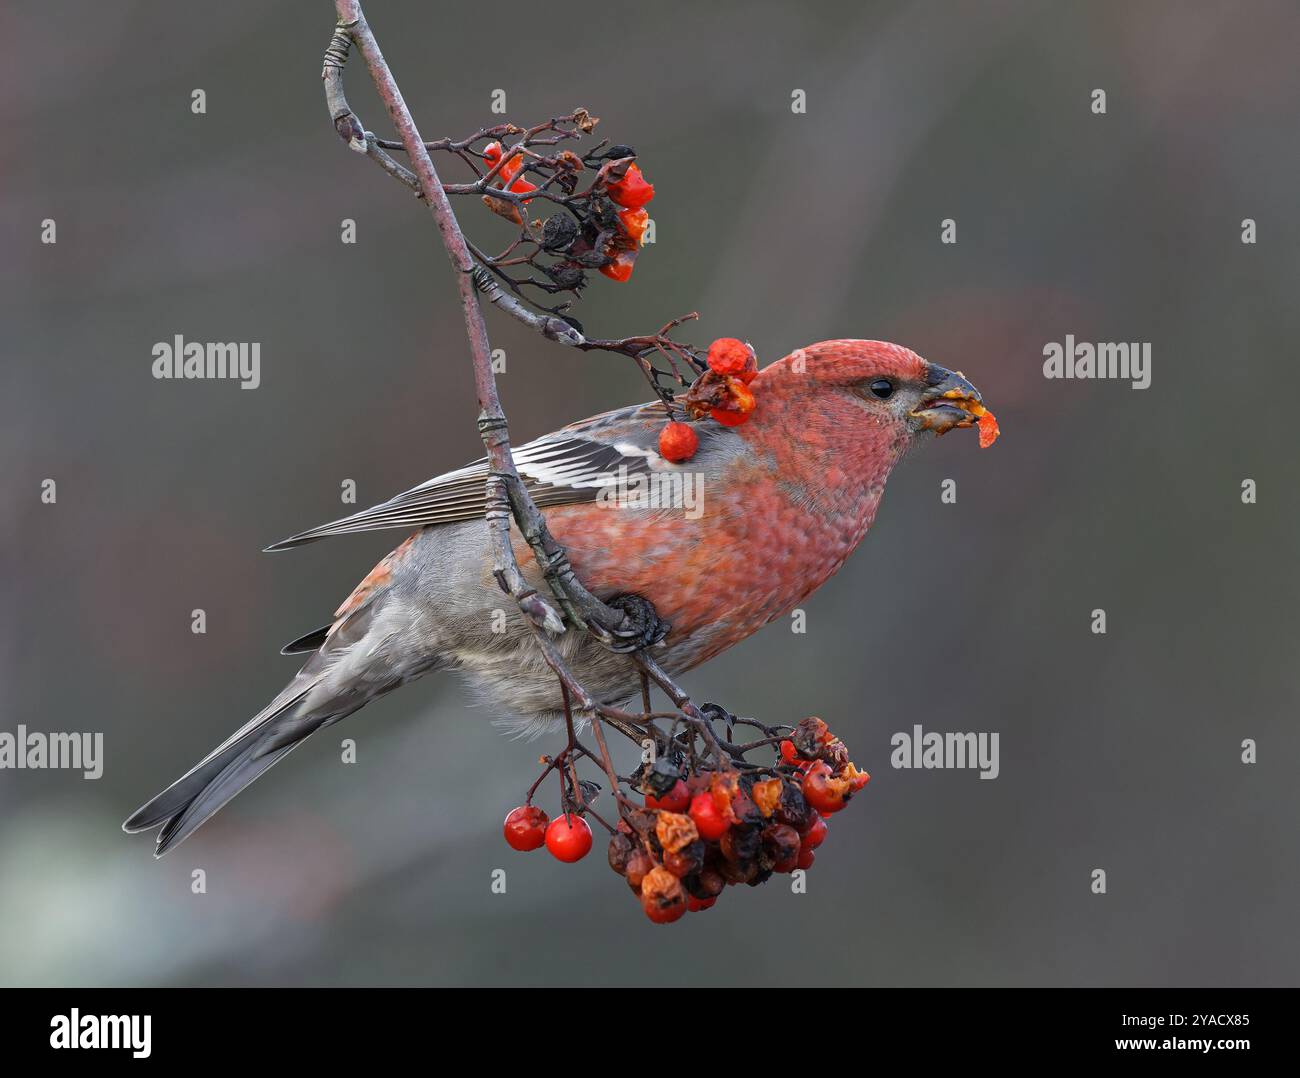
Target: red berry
(816,834)
(823,791)
(806,858)
(677,799)
(789,754)
(632,191)
(635,223)
(732,357)
(710,823)
(621,268)
(525,828)
(695,905)
(568,838)
(678,442)
(741,404)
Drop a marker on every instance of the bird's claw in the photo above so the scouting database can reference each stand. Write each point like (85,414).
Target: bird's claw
(718,713)
(642,627)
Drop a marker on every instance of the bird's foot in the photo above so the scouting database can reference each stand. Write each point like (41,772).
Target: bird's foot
(641,628)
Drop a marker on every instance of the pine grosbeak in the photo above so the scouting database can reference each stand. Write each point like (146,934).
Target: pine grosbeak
(784,501)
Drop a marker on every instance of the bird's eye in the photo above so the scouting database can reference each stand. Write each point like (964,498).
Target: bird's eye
(882,388)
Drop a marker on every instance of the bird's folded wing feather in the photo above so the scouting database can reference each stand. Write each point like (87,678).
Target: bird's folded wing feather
(571,465)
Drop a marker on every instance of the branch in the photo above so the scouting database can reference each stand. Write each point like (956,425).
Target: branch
(610,625)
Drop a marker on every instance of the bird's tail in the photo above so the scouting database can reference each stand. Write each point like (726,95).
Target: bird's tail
(264,741)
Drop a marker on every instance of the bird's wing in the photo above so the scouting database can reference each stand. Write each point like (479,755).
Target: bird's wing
(571,465)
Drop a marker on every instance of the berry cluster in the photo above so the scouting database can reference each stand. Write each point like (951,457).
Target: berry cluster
(601,228)
(703,827)
(722,392)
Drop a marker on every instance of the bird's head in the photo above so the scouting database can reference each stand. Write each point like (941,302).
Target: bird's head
(882,387)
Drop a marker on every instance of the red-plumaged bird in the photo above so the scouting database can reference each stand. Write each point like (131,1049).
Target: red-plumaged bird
(762,515)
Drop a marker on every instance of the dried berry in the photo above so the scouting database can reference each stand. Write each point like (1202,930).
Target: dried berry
(566,275)
(662,896)
(809,736)
(767,795)
(781,842)
(675,830)
(621,848)
(793,807)
(559,232)
(638,864)
(686,861)
(741,844)
(706,883)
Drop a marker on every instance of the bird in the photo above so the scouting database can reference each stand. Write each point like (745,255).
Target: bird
(779,503)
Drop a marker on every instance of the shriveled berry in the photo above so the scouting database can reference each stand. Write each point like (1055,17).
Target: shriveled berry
(793,807)
(675,830)
(741,843)
(707,883)
(559,232)
(767,795)
(621,848)
(686,861)
(566,275)
(809,736)
(662,896)
(781,844)
(638,865)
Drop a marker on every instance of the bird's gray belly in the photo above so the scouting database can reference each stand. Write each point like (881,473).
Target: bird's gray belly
(455,607)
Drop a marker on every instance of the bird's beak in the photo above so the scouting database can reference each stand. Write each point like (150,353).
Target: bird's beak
(951,402)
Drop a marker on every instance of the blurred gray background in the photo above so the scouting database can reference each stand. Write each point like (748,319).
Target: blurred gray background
(1119,752)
